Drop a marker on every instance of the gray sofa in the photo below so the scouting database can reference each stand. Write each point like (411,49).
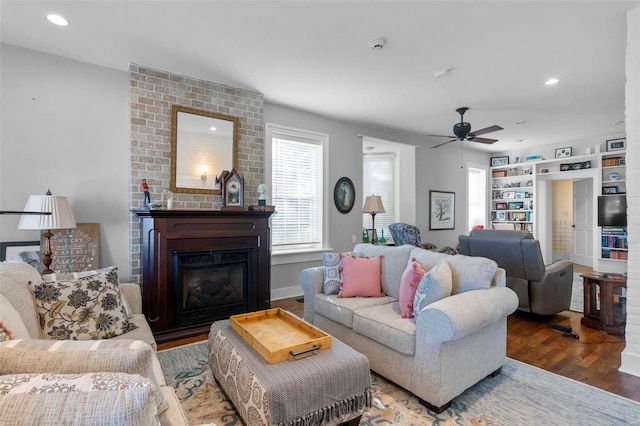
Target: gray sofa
(141,395)
(541,290)
(452,344)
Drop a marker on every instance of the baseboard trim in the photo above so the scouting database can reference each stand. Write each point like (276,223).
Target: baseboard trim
(630,363)
(286,292)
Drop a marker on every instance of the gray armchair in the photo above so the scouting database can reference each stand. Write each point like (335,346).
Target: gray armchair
(542,290)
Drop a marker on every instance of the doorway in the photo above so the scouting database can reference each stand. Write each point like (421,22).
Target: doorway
(572,220)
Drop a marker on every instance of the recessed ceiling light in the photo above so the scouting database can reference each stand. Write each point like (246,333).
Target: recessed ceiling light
(58,20)
(213,129)
(551,81)
(443,72)
(521,122)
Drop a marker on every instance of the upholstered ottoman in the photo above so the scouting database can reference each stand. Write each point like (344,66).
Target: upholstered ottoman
(330,387)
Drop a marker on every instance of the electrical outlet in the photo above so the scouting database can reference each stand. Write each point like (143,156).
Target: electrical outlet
(353,238)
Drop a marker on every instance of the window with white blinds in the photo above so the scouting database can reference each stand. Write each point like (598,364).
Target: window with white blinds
(297,177)
(379,179)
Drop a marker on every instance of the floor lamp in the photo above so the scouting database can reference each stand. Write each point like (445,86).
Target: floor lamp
(61,217)
(373,205)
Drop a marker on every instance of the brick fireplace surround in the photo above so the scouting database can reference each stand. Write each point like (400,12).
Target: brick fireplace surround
(151,94)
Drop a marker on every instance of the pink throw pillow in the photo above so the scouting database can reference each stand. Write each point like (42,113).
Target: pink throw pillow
(360,277)
(408,285)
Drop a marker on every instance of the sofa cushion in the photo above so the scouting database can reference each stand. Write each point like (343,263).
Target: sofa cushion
(82,309)
(427,258)
(394,261)
(341,310)
(435,285)
(73,399)
(11,321)
(471,273)
(332,275)
(384,324)
(360,277)
(79,357)
(13,286)
(408,285)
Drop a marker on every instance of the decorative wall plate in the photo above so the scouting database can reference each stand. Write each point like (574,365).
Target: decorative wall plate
(344,195)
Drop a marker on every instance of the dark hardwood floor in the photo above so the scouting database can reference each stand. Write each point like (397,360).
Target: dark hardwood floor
(593,359)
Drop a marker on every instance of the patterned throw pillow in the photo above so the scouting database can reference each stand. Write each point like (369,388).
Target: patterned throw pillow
(5,334)
(88,308)
(112,276)
(435,285)
(332,274)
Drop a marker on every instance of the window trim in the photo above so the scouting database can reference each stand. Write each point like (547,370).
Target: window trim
(271,129)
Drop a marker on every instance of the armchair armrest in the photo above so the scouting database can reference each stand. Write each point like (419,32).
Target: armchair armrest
(132,294)
(311,280)
(559,269)
(82,356)
(465,313)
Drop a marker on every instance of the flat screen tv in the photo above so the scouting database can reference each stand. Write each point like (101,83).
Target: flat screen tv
(612,210)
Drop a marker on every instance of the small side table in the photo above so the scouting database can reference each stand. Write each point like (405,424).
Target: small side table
(605,306)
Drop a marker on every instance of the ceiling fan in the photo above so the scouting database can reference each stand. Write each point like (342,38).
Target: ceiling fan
(462,131)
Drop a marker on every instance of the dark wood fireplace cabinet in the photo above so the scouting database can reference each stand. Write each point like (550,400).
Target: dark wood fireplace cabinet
(199,266)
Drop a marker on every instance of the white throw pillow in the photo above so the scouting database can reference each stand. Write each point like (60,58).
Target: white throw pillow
(434,285)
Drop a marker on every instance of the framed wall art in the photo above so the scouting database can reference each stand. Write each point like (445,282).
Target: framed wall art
(499,161)
(442,210)
(344,195)
(563,152)
(23,251)
(77,249)
(616,144)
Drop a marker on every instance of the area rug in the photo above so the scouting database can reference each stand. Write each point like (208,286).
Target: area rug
(577,294)
(520,395)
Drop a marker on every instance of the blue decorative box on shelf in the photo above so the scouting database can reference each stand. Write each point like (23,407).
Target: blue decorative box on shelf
(534,157)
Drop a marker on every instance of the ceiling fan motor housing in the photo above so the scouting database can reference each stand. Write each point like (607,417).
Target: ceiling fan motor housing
(461,130)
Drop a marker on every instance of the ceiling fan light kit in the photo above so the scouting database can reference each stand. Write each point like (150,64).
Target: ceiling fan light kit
(462,131)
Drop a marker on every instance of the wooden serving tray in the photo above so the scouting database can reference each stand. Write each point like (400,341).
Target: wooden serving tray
(278,335)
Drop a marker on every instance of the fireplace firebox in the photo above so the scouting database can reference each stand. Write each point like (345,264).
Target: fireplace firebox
(210,282)
(199,266)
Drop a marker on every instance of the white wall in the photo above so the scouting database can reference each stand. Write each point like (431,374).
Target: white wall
(435,169)
(630,360)
(64,126)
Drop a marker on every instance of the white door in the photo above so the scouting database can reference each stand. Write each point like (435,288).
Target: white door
(583,222)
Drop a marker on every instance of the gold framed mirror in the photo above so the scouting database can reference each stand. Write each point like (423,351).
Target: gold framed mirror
(203,144)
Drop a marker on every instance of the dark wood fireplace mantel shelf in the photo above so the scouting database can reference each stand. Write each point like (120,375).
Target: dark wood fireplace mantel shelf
(168,234)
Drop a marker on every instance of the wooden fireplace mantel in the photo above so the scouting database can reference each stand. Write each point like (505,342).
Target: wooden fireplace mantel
(165,232)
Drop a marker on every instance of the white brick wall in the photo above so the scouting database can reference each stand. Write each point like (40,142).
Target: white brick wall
(630,362)
(151,95)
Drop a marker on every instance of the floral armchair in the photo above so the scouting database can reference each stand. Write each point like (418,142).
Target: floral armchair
(403,233)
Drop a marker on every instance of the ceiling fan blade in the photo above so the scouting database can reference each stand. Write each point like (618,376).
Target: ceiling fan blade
(444,143)
(490,129)
(483,140)
(441,136)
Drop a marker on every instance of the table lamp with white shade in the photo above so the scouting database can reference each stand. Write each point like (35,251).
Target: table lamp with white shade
(61,217)
(373,205)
